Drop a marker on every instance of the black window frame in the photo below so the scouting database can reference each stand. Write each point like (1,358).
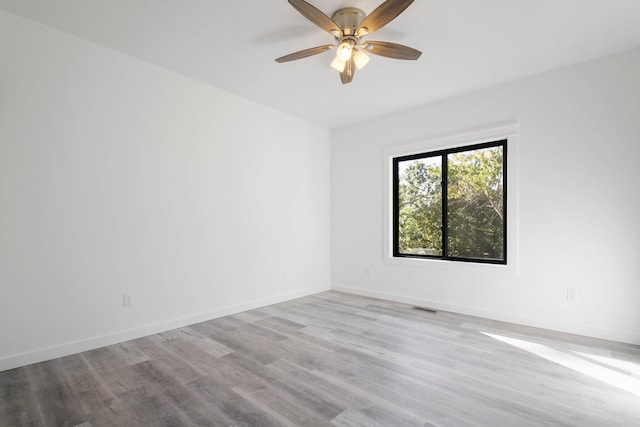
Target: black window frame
(443,153)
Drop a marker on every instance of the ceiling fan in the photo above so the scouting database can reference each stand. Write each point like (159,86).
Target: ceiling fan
(349,25)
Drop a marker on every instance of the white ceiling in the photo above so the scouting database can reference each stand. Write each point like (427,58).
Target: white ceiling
(232,44)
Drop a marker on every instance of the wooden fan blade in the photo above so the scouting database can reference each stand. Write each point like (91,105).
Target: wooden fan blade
(315,15)
(384,14)
(304,53)
(349,70)
(392,50)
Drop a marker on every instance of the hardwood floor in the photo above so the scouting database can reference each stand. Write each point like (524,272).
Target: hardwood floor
(334,359)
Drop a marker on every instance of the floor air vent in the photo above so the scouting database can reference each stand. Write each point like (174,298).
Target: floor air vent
(430,310)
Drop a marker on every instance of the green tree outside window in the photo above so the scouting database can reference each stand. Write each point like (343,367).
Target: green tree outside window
(466,219)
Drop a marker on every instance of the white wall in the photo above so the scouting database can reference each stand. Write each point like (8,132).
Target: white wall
(578,203)
(120,177)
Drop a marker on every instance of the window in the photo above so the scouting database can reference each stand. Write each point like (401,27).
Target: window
(451,204)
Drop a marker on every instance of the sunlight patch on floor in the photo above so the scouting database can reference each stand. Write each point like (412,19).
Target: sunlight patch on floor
(605,374)
(623,365)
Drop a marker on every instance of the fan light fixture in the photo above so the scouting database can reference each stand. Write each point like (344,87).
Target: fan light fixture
(345,49)
(338,64)
(348,25)
(360,58)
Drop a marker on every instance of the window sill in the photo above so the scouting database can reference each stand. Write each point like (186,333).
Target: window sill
(442,264)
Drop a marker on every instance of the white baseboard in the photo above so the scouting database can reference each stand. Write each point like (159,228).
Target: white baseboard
(41,355)
(585,330)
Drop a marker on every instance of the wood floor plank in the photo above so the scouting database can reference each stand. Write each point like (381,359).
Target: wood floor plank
(18,405)
(283,406)
(334,359)
(235,409)
(352,418)
(56,401)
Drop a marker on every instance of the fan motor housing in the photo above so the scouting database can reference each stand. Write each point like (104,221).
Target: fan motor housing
(348,18)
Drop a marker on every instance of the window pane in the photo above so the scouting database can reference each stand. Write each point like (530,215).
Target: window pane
(475,204)
(420,206)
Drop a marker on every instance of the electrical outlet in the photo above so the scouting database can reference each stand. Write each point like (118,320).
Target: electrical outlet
(284,275)
(571,295)
(127,301)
